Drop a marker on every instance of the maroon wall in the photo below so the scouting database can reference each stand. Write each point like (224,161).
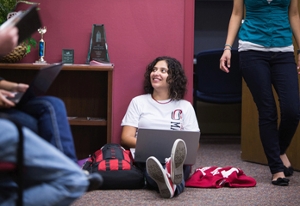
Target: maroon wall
(137,31)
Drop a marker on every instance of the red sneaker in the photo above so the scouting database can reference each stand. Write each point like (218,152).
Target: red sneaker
(160,176)
(174,164)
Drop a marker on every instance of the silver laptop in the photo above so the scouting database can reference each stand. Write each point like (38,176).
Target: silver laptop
(40,84)
(158,143)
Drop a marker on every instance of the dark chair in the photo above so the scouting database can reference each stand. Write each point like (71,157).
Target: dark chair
(15,169)
(212,84)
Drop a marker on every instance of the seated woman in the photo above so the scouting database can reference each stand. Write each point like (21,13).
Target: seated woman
(165,87)
(45,115)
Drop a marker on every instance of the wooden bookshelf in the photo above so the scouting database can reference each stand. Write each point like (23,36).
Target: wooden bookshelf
(87,93)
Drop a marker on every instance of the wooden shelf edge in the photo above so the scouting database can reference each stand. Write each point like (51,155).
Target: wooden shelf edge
(86,121)
(70,67)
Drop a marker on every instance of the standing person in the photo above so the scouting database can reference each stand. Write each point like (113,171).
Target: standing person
(162,107)
(266,60)
(45,115)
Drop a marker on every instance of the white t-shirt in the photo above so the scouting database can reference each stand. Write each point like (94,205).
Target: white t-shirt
(144,112)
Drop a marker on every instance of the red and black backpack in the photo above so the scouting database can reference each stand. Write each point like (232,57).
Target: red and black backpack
(115,164)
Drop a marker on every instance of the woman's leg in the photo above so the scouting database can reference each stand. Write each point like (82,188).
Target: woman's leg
(257,72)
(53,124)
(50,178)
(285,81)
(24,119)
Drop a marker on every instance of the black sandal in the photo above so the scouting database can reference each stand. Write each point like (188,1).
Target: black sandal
(281,181)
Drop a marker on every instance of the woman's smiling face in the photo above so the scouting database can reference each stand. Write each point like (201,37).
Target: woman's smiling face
(159,75)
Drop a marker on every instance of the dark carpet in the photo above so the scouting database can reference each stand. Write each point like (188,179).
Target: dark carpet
(220,152)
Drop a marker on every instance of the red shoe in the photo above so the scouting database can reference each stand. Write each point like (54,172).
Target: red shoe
(174,164)
(160,176)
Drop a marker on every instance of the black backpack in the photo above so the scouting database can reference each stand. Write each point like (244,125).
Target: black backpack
(115,164)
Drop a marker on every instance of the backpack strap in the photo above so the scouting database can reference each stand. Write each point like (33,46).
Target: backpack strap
(113,154)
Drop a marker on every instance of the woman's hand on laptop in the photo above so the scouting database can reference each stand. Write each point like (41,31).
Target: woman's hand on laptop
(21,87)
(13,86)
(4,102)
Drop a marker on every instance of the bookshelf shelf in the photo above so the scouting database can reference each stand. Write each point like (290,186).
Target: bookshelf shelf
(87,93)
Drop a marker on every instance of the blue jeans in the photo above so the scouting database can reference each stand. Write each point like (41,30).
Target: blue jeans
(261,70)
(50,178)
(47,116)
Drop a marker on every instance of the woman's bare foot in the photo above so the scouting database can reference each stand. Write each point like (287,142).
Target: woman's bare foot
(285,160)
(279,179)
(277,175)
(288,169)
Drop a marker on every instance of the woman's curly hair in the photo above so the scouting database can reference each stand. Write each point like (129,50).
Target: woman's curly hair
(176,77)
